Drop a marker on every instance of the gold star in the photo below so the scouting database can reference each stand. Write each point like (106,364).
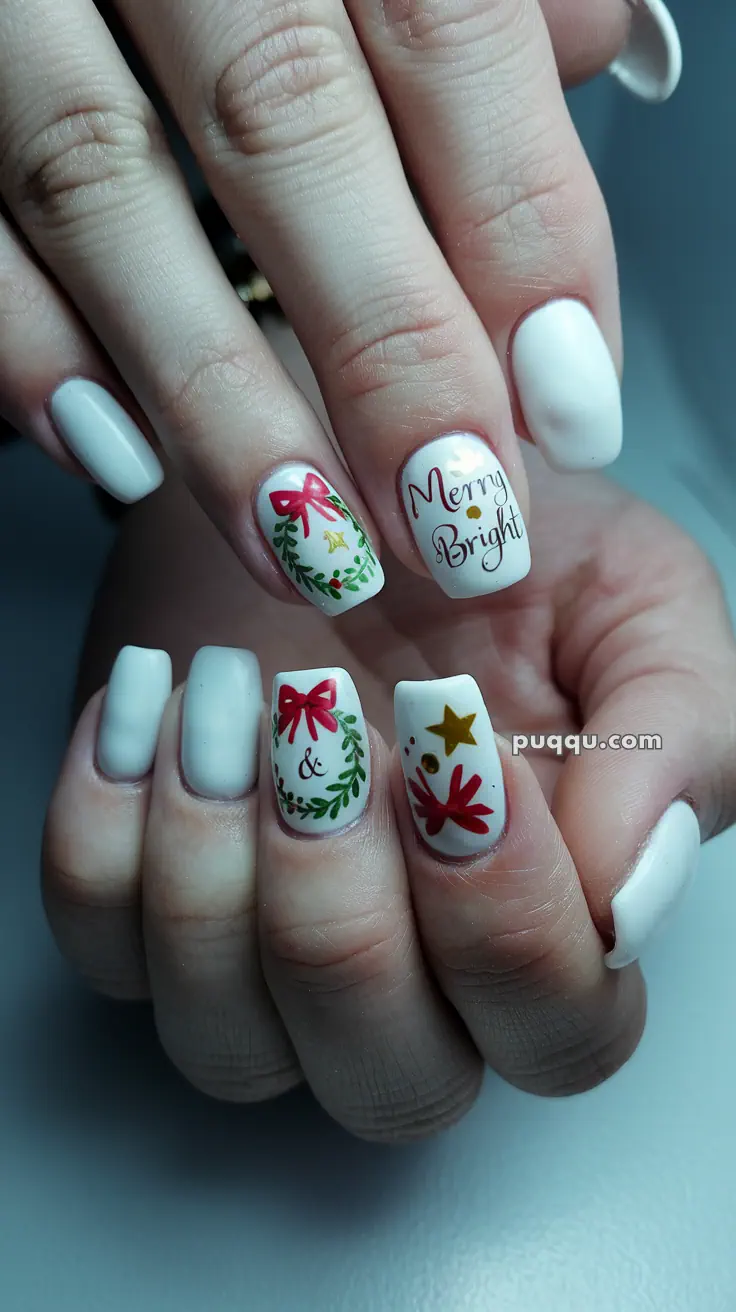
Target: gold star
(454,729)
(335,540)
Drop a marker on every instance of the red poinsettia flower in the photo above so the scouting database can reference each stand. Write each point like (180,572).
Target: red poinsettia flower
(457,807)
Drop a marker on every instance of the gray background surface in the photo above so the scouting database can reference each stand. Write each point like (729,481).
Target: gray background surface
(121,1188)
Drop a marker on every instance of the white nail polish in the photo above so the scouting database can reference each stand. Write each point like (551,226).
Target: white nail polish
(650,65)
(568,388)
(656,884)
(452,768)
(320,751)
(317,540)
(464,516)
(220,723)
(137,691)
(103,437)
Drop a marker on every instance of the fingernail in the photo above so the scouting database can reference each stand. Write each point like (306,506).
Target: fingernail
(656,884)
(320,750)
(452,768)
(650,64)
(103,437)
(220,723)
(568,388)
(317,540)
(137,692)
(464,516)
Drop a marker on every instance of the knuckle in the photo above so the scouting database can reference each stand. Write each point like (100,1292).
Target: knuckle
(232,1077)
(83,161)
(336,956)
(411,334)
(422,1113)
(530,215)
(292,82)
(578,1049)
(426,25)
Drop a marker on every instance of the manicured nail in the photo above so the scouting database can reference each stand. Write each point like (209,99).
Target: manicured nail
(220,723)
(320,750)
(650,64)
(464,516)
(317,540)
(103,437)
(452,769)
(656,884)
(137,692)
(567,385)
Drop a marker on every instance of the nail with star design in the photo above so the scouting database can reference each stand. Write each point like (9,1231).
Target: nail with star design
(319,750)
(464,516)
(451,764)
(317,540)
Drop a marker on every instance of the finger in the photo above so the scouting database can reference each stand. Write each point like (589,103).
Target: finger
(93,836)
(514,203)
(96,191)
(213,1013)
(286,122)
(379,1047)
(50,367)
(586,35)
(659,705)
(502,916)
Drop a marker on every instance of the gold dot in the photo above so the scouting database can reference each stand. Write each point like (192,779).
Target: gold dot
(430,763)
(473,512)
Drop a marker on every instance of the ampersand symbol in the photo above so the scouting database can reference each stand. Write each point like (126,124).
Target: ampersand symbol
(308,768)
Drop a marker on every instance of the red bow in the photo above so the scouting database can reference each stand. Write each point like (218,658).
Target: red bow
(457,807)
(294,504)
(316,705)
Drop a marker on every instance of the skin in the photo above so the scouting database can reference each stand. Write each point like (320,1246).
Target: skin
(303,123)
(389,990)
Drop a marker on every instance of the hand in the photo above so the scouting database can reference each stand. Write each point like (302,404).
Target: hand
(116,320)
(365,959)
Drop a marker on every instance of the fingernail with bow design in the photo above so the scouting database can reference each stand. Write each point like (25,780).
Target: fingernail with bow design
(452,768)
(320,545)
(319,750)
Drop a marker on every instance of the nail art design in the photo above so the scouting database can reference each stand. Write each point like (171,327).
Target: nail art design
(320,545)
(103,437)
(568,387)
(464,516)
(660,876)
(320,752)
(444,732)
(137,692)
(650,65)
(220,721)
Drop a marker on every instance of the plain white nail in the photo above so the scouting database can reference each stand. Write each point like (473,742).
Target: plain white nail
(452,769)
(220,723)
(464,516)
(103,437)
(137,692)
(650,65)
(319,544)
(320,752)
(656,884)
(568,387)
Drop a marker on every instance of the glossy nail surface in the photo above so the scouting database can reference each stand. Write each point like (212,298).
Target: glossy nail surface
(137,691)
(650,65)
(657,882)
(317,540)
(220,723)
(452,768)
(103,437)
(320,750)
(567,386)
(464,516)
